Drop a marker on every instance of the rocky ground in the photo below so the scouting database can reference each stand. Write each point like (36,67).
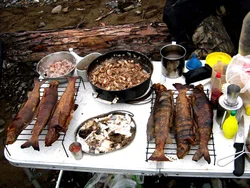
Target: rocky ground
(31,15)
(17,79)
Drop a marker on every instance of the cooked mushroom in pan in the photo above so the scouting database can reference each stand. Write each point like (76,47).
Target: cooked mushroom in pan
(118,74)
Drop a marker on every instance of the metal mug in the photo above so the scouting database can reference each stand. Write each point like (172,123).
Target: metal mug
(83,62)
(173,60)
(233,92)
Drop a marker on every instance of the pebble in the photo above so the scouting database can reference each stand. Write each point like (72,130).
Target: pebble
(2,130)
(2,123)
(129,8)
(216,182)
(206,185)
(57,9)
(138,12)
(7,109)
(23,84)
(65,10)
(42,24)
(150,14)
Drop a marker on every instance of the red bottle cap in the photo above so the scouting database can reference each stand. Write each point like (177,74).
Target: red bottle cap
(218,75)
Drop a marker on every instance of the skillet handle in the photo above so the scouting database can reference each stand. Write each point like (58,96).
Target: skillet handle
(136,100)
(239,162)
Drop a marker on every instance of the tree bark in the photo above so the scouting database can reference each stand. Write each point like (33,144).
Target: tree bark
(31,46)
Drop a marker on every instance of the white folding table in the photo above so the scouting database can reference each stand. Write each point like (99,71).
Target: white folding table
(131,159)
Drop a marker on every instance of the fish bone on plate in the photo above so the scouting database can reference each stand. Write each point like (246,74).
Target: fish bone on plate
(107,132)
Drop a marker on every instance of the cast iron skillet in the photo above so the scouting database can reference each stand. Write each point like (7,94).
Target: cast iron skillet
(136,93)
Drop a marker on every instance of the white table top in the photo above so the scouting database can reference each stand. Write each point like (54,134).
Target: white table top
(131,159)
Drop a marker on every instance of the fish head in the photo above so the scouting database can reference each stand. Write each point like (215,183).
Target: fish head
(13,130)
(159,88)
(198,88)
(11,136)
(51,136)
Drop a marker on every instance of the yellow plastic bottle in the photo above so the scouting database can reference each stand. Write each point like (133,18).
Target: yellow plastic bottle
(246,102)
(247,109)
(230,125)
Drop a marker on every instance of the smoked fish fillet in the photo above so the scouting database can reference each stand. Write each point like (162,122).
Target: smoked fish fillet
(25,115)
(184,124)
(44,111)
(203,116)
(162,113)
(63,113)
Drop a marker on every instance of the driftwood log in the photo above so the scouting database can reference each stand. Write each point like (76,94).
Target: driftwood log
(31,46)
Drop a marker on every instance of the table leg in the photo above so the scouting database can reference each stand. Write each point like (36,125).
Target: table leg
(59,179)
(32,177)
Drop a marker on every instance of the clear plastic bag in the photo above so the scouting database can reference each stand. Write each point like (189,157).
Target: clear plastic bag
(238,72)
(115,181)
(97,178)
(120,181)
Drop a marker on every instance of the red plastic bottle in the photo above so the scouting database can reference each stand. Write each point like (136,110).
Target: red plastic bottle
(216,90)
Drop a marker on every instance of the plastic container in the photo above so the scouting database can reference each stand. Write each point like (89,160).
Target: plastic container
(216,90)
(246,102)
(244,42)
(219,67)
(214,57)
(193,63)
(238,73)
(230,126)
(76,149)
(218,61)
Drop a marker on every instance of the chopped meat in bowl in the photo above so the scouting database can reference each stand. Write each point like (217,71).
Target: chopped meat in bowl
(57,66)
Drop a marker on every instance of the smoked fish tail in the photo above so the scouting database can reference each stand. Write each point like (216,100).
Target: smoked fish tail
(159,155)
(182,150)
(32,142)
(180,86)
(202,152)
(26,114)
(51,136)
(12,131)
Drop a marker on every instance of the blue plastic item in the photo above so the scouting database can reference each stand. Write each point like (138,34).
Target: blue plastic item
(193,63)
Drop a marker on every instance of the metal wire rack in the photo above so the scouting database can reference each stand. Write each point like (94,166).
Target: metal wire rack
(171,149)
(27,132)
